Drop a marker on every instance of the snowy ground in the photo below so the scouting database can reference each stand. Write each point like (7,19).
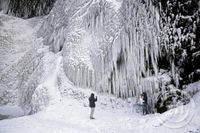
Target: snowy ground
(67,110)
(72,116)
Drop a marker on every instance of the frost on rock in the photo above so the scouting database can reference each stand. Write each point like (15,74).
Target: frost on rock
(18,57)
(25,64)
(180,38)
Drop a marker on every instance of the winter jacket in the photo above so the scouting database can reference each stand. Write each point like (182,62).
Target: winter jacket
(145,97)
(92,101)
(141,101)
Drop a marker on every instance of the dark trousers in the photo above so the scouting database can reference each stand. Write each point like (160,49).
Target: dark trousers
(144,108)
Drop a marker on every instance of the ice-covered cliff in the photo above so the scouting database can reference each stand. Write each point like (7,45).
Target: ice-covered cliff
(109,45)
(120,47)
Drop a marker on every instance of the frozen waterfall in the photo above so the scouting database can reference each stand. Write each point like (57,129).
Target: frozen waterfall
(110,46)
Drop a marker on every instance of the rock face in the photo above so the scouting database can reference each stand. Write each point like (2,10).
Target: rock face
(26,8)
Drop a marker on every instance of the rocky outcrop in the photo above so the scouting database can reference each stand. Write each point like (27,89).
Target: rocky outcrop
(26,8)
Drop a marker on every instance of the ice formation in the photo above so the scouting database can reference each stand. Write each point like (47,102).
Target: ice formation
(109,45)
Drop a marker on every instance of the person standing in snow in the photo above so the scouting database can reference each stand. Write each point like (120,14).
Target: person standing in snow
(92,101)
(145,110)
(141,101)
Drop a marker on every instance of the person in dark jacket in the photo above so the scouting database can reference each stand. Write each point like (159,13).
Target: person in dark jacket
(145,106)
(92,101)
